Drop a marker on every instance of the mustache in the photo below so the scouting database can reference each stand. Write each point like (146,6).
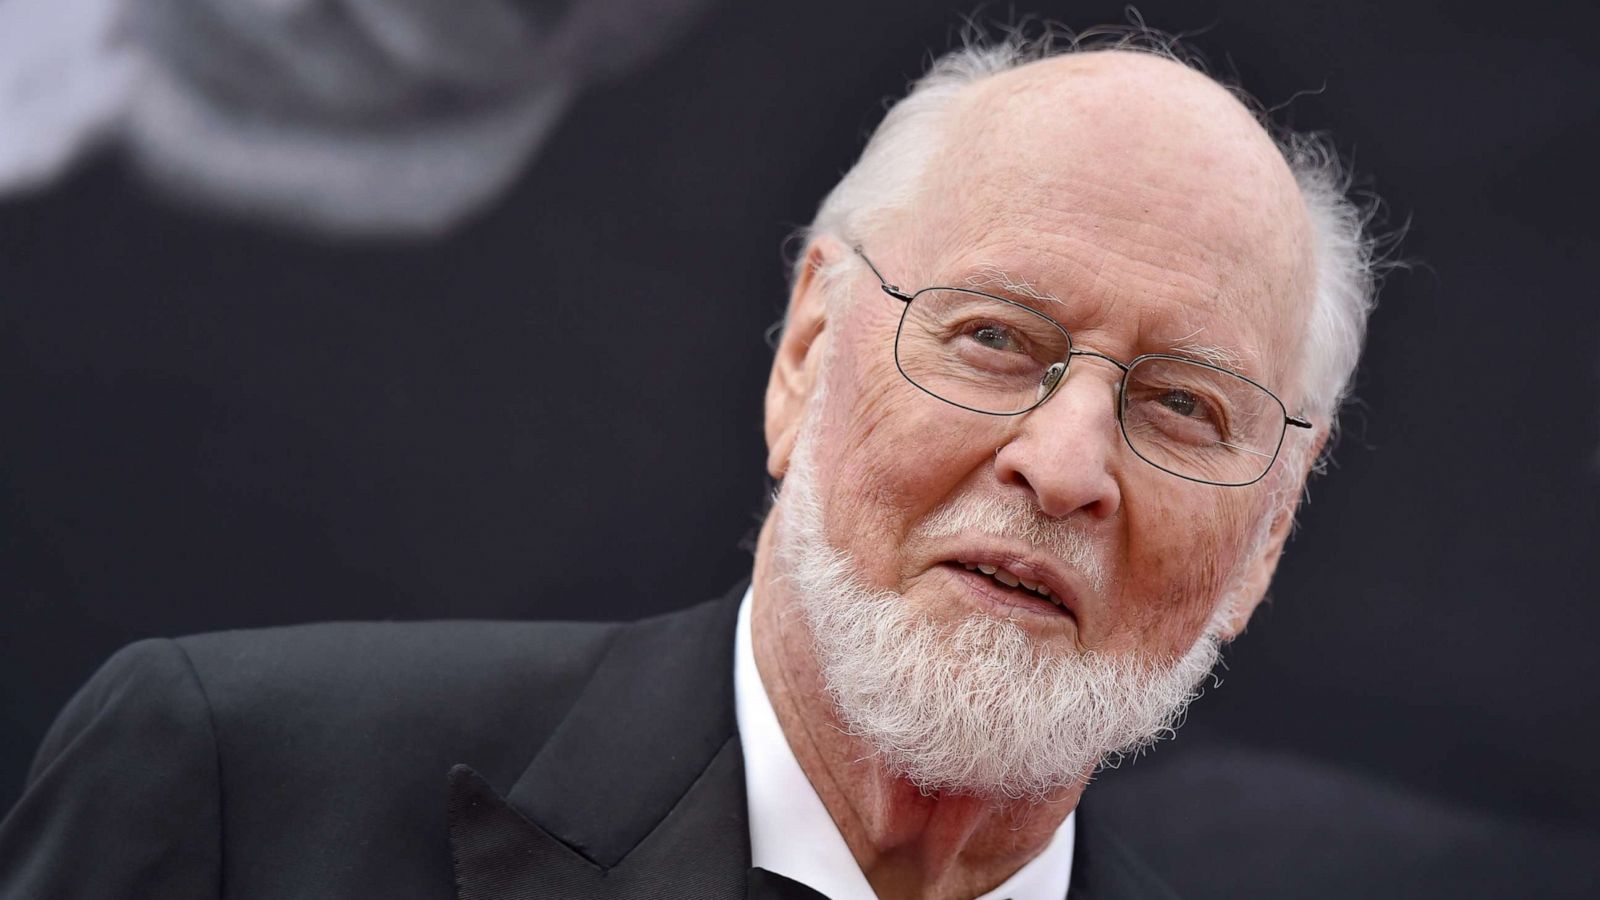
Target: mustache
(1015,518)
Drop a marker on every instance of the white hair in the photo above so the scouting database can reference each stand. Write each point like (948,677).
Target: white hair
(886,178)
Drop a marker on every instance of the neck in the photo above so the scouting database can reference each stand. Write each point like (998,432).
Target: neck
(907,842)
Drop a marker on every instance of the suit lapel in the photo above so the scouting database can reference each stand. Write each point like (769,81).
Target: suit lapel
(1103,868)
(639,792)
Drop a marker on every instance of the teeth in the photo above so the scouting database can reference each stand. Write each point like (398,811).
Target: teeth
(1010,580)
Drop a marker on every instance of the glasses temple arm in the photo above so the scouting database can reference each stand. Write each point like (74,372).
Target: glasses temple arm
(1297,422)
(892,290)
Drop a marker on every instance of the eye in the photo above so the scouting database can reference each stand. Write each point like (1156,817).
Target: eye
(1182,402)
(1180,412)
(995,337)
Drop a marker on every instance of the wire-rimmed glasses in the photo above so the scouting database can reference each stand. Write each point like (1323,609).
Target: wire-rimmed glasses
(999,357)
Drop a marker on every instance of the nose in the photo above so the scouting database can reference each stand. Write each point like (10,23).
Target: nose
(1066,451)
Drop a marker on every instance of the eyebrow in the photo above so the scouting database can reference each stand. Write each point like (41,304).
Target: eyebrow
(1222,357)
(994,277)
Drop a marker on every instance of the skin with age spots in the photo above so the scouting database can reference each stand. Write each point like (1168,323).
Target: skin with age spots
(1149,201)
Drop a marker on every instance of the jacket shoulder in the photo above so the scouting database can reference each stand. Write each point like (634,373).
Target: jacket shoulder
(379,666)
(424,693)
(312,757)
(136,739)
(304,748)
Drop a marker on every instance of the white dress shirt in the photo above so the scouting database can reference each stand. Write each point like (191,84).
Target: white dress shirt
(791,832)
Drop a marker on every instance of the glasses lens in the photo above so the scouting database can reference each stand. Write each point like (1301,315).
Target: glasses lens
(1200,422)
(980,352)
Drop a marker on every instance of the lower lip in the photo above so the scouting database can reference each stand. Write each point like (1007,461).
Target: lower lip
(1003,603)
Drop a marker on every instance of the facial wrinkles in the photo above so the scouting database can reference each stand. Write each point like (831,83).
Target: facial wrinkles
(1187,342)
(857,413)
(1116,240)
(977,706)
(1223,538)
(1179,577)
(1108,307)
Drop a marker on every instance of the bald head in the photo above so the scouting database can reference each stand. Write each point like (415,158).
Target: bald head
(1133,186)
(1132,124)
(1132,174)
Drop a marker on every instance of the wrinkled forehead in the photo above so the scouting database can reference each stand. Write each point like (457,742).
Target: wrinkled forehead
(1124,181)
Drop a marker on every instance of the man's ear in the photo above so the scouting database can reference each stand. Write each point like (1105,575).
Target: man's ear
(798,362)
(1259,576)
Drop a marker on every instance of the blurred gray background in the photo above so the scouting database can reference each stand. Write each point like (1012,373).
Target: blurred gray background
(361,310)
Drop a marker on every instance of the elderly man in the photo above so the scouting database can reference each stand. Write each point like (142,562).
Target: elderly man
(1060,351)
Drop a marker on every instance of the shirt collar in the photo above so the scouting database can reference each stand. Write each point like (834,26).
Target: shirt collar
(791,832)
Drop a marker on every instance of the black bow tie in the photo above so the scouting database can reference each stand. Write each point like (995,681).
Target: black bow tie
(764,885)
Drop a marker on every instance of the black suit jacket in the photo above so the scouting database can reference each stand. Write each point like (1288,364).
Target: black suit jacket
(472,760)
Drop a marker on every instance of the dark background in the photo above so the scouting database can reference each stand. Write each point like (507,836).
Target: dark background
(555,412)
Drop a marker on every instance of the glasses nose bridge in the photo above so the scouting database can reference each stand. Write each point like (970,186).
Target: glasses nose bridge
(1060,371)
(1057,374)
(1121,366)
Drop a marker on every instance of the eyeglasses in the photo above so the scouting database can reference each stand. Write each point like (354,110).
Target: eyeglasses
(999,357)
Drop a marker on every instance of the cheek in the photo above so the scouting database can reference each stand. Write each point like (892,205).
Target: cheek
(1180,561)
(889,454)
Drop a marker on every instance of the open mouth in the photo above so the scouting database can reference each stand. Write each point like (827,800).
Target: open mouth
(1011,586)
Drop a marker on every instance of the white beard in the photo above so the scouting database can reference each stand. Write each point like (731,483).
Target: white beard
(975,707)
